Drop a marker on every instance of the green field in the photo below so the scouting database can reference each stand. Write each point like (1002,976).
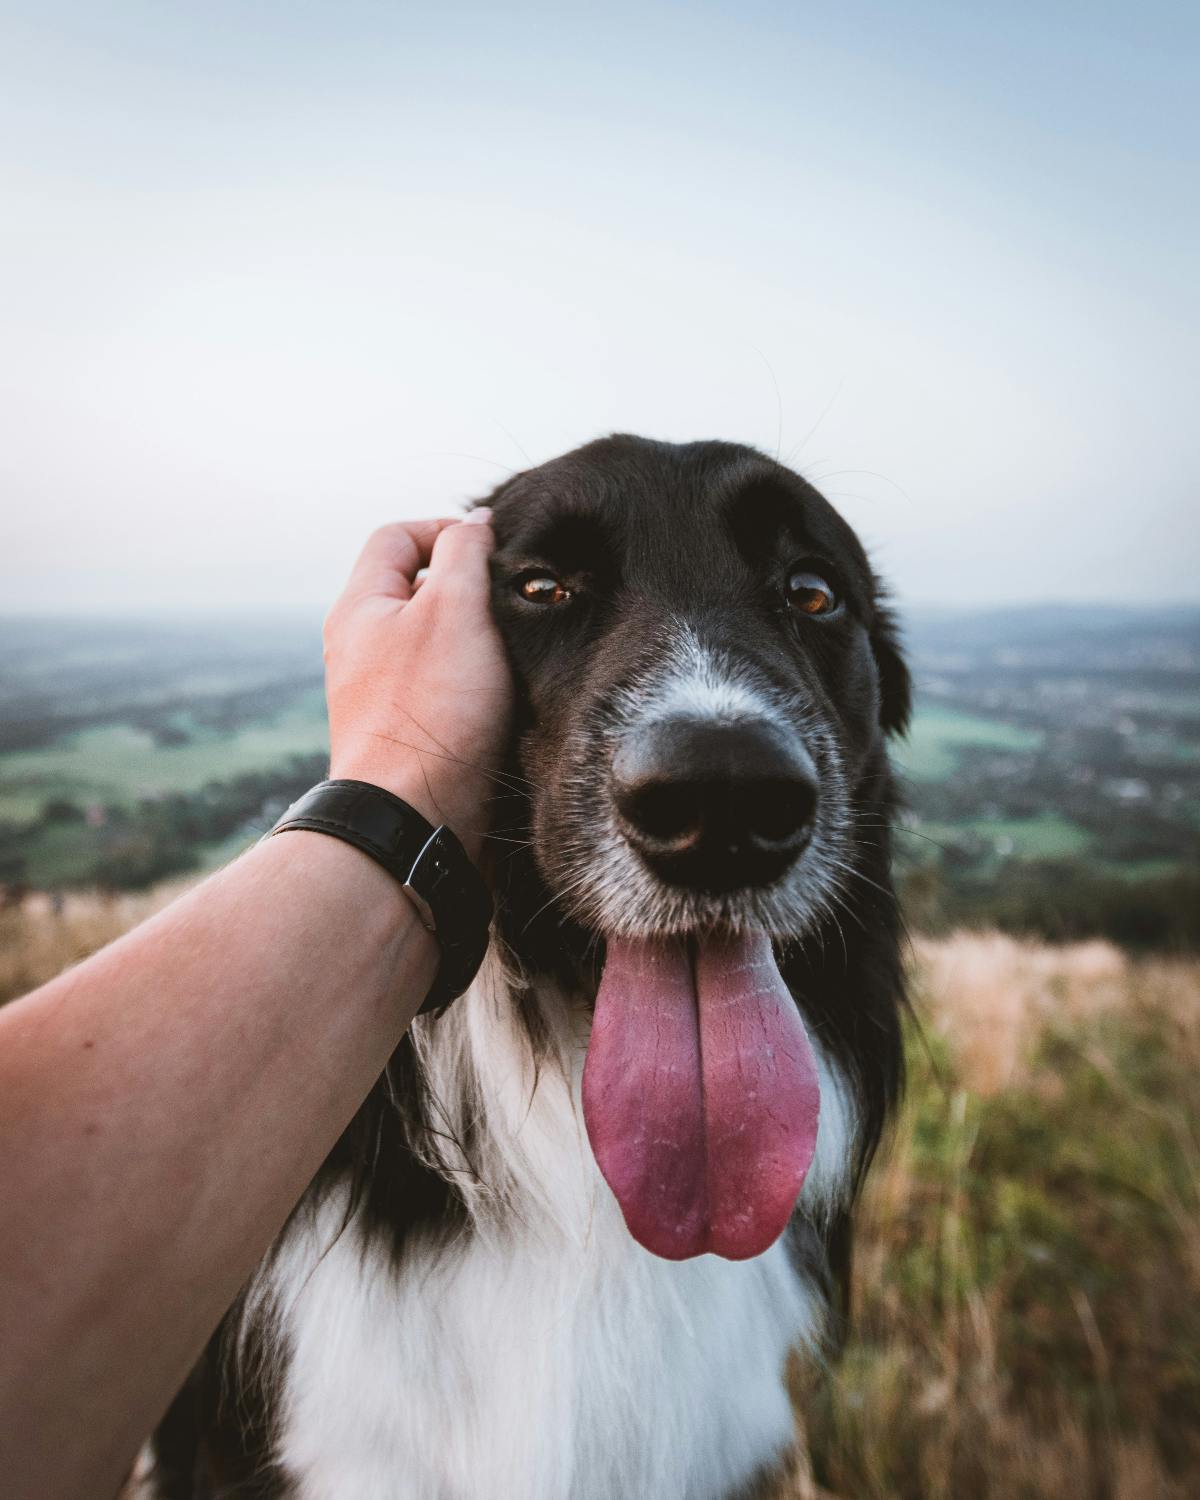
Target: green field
(120,764)
(63,854)
(1046,836)
(930,750)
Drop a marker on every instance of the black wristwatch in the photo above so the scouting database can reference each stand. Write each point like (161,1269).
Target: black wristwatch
(449,893)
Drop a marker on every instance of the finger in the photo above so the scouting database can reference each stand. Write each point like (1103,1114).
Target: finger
(458,564)
(392,558)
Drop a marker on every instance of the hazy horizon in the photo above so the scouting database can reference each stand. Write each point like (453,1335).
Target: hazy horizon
(274,276)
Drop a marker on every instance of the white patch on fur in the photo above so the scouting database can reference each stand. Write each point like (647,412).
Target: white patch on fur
(545,1356)
(701,685)
(141,1484)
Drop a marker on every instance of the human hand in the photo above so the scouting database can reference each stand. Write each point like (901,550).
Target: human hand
(417,682)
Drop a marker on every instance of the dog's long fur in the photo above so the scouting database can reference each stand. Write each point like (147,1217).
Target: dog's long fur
(456,1311)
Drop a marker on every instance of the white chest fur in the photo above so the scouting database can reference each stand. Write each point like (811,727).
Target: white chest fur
(513,1370)
(546,1356)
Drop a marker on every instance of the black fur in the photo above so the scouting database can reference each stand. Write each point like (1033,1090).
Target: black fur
(648,533)
(215,1441)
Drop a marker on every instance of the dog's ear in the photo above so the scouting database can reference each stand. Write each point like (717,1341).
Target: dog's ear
(895,684)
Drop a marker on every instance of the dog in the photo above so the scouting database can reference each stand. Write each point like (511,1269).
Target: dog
(566,1247)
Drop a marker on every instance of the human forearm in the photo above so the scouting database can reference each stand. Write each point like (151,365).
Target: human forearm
(164,1105)
(227,1041)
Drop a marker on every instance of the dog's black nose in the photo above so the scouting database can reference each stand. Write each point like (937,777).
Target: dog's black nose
(715,806)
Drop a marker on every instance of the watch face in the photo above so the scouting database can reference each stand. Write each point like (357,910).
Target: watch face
(437,876)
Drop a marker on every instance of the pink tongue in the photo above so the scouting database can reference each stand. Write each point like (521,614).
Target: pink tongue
(700,1094)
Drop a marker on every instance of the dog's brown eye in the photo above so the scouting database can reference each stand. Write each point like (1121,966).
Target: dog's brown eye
(810,594)
(543,589)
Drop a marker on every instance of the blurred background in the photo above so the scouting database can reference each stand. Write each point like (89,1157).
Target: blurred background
(273,274)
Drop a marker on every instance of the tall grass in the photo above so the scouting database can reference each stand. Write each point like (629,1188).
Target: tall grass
(1027,1276)
(44,934)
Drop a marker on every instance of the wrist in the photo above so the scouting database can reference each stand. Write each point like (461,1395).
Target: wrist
(435,872)
(339,877)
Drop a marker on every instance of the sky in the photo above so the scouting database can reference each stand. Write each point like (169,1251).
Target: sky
(274,273)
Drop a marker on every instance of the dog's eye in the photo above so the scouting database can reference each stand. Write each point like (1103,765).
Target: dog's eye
(809,593)
(541,588)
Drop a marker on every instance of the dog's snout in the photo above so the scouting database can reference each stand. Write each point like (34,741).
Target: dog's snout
(712,805)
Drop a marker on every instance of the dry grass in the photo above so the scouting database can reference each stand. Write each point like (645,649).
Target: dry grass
(1027,1279)
(44,934)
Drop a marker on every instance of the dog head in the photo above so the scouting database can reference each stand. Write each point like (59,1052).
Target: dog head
(706,673)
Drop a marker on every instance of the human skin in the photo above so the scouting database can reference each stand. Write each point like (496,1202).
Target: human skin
(164,1104)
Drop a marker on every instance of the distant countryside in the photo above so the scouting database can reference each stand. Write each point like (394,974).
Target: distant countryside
(1052,771)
